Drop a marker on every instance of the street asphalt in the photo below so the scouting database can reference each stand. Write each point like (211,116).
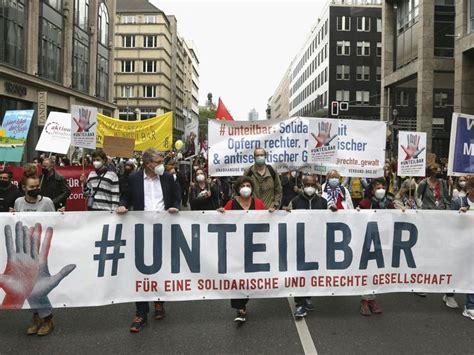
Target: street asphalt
(409,325)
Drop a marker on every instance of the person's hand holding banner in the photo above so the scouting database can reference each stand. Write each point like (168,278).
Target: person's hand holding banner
(412,150)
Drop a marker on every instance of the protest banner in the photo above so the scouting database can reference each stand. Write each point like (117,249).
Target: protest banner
(83,126)
(56,134)
(461,145)
(15,127)
(411,154)
(155,132)
(191,133)
(325,140)
(102,258)
(118,147)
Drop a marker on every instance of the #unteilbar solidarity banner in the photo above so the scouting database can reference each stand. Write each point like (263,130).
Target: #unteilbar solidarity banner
(97,258)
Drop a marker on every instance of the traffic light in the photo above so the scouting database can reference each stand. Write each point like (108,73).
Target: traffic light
(334,108)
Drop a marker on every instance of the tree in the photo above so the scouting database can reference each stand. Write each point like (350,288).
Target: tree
(205,114)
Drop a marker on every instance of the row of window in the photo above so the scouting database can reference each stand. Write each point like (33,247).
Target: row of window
(363,23)
(317,61)
(130,19)
(343,72)
(314,85)
(148,66)
(343,48)
(132,91)
(440,99)
(149,41)
(321,101)
(362,97)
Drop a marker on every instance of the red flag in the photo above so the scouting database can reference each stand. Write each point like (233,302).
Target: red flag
(222,113)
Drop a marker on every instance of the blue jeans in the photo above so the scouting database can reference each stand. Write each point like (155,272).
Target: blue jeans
(470,300)
(44,312)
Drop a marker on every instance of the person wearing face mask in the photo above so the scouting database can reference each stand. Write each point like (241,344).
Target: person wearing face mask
(150,189)
(8,191)
(204,194)
(337,196)
(266,181)
(460,189)
(243,200)
(101,189)
(433,191)
(290,183)
(307,199)
(128,168)
(377,199)
(53,184)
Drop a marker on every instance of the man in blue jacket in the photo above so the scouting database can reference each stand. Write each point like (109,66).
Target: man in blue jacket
(150,189)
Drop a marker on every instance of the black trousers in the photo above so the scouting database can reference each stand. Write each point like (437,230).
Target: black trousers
(239,303)
(300,301)
(143,308)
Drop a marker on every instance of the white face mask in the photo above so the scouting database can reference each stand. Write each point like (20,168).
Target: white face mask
(159,169)
(462,183)
(200,178)
(245,191)
(293,173)
(380,194)
(97,165)
(309,190)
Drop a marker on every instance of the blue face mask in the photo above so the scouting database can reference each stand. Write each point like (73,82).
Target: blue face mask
(260,160)
(333,182)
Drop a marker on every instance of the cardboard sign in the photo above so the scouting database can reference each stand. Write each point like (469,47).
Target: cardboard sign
(119,147)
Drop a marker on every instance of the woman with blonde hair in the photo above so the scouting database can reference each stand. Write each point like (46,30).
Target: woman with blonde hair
(406,198)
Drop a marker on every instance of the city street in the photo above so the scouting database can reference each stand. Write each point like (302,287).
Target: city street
(409,324)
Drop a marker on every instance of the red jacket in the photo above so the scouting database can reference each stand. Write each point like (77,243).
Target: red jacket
(259,205)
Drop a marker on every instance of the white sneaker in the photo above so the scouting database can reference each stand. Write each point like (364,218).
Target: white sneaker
(468,313)
(450,302)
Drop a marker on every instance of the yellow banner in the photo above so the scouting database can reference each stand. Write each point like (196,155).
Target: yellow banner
(155,132)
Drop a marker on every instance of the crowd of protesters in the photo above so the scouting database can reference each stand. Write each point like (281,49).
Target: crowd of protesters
(155,181)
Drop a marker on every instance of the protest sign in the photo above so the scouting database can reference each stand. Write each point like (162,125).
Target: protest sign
(191,132)
(119,147)
(151,133)
(56,134)
(411,154)
(197,255)
(325,140)
(15,127)
(83,126)
(461,145)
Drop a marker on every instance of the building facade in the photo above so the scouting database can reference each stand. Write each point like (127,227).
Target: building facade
(418,68)
(253,115)
(154,66)
(54,54)
(279,102)
(340,61)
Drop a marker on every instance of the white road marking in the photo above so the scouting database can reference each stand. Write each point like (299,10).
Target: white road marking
(305,336)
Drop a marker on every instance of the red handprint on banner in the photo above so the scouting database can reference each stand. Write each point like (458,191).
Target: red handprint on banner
(412,150)
(324,134)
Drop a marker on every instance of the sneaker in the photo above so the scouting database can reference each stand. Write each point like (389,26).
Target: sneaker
(138,324)
(364,308)
(47,326)
(468,313)
(308,305)
(159,311)
(35,326)
(374,307)
(450,301)
(300,312)
(241,316)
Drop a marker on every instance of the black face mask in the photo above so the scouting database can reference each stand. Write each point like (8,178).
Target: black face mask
(439,175)
(127,172)
(33,193)
(4,184)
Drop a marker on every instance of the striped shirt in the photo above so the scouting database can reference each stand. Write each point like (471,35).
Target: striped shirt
(107,196)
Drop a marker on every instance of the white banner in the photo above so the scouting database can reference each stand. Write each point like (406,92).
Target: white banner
(411,154)
(191,132)
(461,145)
(208,255)
(83,126)
(56,134)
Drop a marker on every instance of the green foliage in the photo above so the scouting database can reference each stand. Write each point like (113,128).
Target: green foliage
(205,114)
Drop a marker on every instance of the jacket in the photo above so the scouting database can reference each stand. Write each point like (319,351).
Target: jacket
(303,202)
(56,188)
(267,187)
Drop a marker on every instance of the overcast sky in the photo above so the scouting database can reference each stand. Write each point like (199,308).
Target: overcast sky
(244,47)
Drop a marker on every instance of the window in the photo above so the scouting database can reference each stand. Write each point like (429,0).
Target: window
(440,99)
(363,24)
(342,95)
(128,19)
(102,83)
(150,19)
(81,14)
(343,48)
(80,72)
(12,34)
(379,74)
(55,4)
(379,25)
(343,72)
(127,91)
(149,91)
(402,98)
(362,97)
(50,59)
(128,66)
(146,113)
(150,41)
(149,66)
(343,23)
(103,25)
(363,48)
(363,73)
(379,49)
(128,41)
